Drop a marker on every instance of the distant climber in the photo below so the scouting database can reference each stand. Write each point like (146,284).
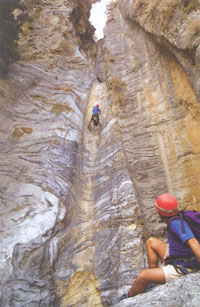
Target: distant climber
(95,116)
(180,256)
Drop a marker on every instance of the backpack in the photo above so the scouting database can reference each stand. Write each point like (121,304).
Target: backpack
(95,110)
(192,217)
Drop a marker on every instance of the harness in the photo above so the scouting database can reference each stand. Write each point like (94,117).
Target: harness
(178,267)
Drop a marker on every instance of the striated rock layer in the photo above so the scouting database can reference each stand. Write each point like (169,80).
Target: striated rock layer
(77,204)
(154,90)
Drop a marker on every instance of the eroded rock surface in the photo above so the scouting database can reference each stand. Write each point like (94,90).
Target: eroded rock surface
(77,204)
(157,105)
(181,292)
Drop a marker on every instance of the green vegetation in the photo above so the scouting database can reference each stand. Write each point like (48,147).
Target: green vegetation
(167,15)
(169,12)
(111,58)
(191,5)
(18,132)
(116,89)
(9,31)
(116,84)
(30,26)
(58,108)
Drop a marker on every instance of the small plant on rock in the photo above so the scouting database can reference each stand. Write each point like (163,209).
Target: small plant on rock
(190,5)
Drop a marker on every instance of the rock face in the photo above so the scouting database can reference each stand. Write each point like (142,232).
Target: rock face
(77,204)
(158,99)
(180,292)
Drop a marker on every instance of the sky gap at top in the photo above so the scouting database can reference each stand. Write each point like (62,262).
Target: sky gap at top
(98,16)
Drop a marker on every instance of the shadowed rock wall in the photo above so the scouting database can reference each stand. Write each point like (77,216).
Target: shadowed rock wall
(76,205)
(42,119)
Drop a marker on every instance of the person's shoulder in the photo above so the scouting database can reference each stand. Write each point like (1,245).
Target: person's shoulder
(177,224)
(175,221)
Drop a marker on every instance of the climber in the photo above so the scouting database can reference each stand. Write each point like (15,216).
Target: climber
(95,116)
(180,256)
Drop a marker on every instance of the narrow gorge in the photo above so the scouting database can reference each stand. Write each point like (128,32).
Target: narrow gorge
(77,205)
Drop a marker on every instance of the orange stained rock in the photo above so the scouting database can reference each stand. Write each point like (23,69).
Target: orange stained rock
(82,290)
(192,132)
(150,98)
(184,91)
(190,140)
(165,96)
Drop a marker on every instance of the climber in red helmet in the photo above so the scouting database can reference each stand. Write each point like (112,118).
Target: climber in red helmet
(95,116)
(180,256)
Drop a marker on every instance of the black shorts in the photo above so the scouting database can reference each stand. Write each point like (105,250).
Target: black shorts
(95,115)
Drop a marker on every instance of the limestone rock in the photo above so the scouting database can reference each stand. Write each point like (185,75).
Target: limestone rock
(157,107)
(181,292)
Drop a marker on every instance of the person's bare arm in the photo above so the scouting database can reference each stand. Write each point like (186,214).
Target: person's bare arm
(195,247)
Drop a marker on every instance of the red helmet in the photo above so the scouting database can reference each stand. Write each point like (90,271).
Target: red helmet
(97,105)
(166,204)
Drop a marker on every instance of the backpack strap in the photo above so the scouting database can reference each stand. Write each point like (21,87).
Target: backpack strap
(182,217)
(180,269)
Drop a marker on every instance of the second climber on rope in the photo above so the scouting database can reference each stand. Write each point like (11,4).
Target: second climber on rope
(95,116)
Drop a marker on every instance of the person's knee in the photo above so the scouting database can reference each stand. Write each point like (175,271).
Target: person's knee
(151,241)
(143,277)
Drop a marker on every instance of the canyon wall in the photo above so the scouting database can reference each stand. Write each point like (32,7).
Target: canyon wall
(77,204)
(157,84)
